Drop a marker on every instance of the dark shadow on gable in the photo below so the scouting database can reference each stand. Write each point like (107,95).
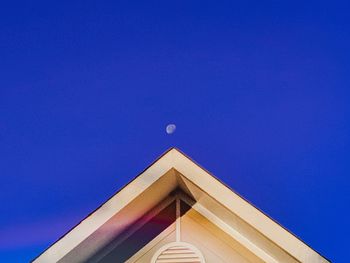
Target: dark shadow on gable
(142,236)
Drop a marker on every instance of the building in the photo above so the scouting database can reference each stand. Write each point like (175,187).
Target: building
(175,211)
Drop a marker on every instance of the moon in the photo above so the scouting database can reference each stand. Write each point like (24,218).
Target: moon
(170,128)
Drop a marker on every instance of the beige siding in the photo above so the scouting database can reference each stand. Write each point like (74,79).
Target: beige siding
(211,241)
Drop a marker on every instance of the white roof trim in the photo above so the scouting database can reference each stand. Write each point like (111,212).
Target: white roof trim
(174,159)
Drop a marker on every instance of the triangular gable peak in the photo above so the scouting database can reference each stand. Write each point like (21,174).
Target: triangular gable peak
(173,198)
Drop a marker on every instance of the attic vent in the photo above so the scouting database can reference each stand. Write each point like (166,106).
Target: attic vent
(176,252)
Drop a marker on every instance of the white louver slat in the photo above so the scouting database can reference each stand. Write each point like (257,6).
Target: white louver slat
(179,254)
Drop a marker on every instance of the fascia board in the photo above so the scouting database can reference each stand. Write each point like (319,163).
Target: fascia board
(245,210)
(110,208)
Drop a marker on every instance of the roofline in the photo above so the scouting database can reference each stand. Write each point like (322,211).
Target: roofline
(109,198)
(249,202)
(206,171)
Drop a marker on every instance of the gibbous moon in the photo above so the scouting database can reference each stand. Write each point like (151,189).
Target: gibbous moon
(170,128)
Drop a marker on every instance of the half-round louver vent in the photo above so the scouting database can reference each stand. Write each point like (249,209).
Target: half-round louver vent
(178,252)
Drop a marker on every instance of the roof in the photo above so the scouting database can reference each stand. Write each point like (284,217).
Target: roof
(174,170)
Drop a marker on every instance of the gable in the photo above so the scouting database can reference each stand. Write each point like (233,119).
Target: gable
(141,200)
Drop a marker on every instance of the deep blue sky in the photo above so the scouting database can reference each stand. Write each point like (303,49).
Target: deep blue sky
(259,93)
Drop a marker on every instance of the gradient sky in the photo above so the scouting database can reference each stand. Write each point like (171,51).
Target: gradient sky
(259,91)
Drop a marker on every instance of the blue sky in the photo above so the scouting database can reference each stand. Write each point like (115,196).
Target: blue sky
(259,92)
